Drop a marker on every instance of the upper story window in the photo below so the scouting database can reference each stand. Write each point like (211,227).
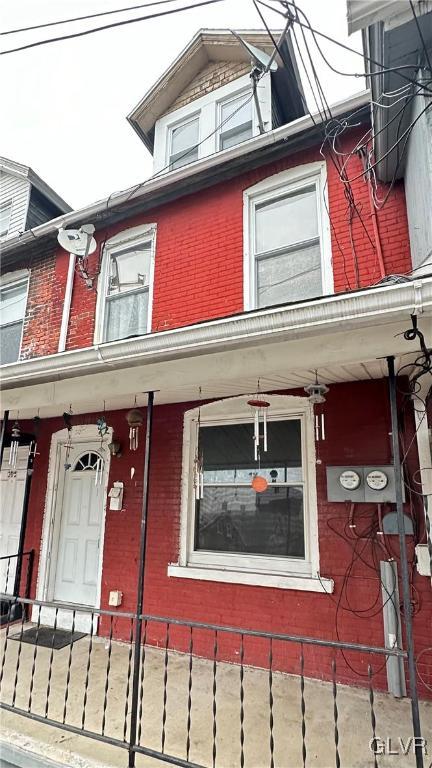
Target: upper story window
(216,121)
(5,214)
(235,119)
(126,280)
(13,300)
(287,239)
(184,140)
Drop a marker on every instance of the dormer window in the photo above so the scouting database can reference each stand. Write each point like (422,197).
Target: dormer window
(184,140)
(5,214)
(235,119)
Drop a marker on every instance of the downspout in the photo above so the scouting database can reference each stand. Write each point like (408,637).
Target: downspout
(67,304)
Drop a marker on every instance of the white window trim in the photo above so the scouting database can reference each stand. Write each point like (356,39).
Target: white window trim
(284,573)
(291,180)
(7,204)
(193,116)
(133,236)
(221,103)
(207,107)
(9,280)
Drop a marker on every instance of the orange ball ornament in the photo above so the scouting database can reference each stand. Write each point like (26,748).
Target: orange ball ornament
(259,484)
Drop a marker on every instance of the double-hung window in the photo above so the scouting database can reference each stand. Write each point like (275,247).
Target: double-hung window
(127,275)
(13,299)
(229,531)
(183,143)
(287,239)
(235,120)
(5,214)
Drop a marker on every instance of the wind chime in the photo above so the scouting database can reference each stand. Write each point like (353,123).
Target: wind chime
(259,409)
(102,428)
(316,394)
(135,419)
(67,418)
(15,438)
(33,444)
(198,470)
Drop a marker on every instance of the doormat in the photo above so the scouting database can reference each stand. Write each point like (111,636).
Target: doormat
(48,637)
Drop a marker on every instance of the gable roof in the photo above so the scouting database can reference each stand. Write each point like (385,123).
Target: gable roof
(25,172)
(217,45)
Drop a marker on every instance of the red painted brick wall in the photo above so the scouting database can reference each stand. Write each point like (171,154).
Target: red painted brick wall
(199,255)
(357,431)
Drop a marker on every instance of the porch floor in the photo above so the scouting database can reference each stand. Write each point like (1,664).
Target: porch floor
(393,716)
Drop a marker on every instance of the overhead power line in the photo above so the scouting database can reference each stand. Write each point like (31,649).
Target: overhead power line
(315,32)
(83,18)
(84,32)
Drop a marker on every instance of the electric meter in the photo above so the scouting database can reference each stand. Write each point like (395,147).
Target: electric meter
(377,480)
(349,480)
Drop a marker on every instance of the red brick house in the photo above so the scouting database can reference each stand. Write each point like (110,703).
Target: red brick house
(246,268)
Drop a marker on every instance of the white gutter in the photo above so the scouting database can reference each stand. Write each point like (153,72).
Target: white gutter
(371,307)
(173,178)
(67,304)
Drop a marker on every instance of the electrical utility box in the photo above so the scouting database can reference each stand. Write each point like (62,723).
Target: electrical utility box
(367,484)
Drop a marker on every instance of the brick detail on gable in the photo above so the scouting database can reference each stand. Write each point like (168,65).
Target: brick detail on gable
(214,75)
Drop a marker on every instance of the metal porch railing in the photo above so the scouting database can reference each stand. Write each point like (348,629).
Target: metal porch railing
(209,695)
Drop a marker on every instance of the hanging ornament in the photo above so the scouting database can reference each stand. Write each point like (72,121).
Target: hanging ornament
(102,427)
(15,438)
(316,391)
(259,410)
(259,483)
(67,418)
(33,444)
(135,419)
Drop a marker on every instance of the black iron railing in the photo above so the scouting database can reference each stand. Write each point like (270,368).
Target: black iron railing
(208,695)
(15,575)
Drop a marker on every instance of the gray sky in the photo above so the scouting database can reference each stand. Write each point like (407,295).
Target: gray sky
(64,105)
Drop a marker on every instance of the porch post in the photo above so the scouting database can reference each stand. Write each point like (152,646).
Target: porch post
(407,613)
(140,586)
(3,434)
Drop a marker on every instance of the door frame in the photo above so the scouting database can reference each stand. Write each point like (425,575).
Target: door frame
(81,433)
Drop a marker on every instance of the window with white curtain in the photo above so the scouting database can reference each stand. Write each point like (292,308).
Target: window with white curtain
(287,242)
(127,274)
(13,300)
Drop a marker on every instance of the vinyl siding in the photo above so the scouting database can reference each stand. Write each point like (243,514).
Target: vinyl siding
(15,189)
(418,185)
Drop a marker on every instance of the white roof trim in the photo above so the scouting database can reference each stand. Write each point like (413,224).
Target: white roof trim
(25,172)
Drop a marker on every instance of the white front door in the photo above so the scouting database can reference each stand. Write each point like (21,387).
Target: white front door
(71,560)
(12,490)
(80,511)
(77,566)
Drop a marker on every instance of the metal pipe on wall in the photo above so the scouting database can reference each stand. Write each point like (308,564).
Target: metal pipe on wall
(3,435)
(140,587)
(415,713)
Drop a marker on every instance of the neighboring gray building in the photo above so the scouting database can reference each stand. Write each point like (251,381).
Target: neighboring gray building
(25,200)
(398,36)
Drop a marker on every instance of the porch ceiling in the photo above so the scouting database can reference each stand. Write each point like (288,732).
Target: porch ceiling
(339,357)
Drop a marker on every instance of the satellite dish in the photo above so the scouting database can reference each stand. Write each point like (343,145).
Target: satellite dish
(261,59)
(77,241)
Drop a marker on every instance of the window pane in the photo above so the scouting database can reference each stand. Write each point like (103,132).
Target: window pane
(130,269)
(183,158)
(240,520)
(12,303)
(10,341)
(230,138)
(291,276)
(127,316)
(5,213)
(236,112)
(184,136)
(288,220)
(228,453)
